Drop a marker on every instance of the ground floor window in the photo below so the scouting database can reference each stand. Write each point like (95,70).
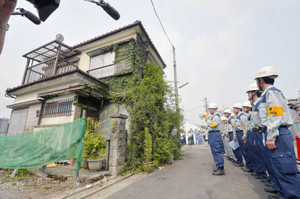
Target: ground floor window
(58,108)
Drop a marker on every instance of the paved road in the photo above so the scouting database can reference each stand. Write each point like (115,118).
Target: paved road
(191,178)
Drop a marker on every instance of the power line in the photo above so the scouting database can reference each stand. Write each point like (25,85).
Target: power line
(161,23)
(193,109)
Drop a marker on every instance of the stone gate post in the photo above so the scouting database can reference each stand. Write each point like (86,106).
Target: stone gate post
(117,144)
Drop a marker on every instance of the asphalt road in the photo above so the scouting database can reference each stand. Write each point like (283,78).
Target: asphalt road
(191,178)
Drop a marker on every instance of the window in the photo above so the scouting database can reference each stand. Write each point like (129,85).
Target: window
(58,108)
(102,65)
(102,60)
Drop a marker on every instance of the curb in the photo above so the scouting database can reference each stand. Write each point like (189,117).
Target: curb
(80,194)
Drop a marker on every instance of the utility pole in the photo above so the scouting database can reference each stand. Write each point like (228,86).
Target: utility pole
(175,81)
(206,107)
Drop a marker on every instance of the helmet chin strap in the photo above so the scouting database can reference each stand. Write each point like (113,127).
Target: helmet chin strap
(252,95)
(259,80)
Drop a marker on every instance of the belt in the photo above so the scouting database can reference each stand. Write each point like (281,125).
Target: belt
(283,126)
(213,131)
(239,131)
(230,132)
(260,129)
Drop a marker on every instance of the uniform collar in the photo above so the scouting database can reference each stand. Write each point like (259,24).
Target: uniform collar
(256,101)
(267,89)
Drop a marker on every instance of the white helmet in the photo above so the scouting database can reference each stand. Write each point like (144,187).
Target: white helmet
(238,105)
(247,104)
(252,87)
(213,105)
(267,71)
(223,118)
(228,111)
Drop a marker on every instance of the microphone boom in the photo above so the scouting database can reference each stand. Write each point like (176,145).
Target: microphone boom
(32,18)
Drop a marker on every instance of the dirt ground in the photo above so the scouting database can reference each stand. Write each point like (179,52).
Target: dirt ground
(27,186)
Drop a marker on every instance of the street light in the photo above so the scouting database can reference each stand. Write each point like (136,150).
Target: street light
(183,85)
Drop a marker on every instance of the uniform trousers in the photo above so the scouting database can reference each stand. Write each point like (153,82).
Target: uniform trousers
(284,166)
(217,147)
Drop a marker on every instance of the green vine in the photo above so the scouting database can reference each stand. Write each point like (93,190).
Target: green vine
(150,103)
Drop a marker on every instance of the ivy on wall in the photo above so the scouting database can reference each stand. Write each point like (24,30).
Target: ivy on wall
(150,103)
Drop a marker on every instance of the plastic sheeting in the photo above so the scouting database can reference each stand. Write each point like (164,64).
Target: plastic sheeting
(36,149)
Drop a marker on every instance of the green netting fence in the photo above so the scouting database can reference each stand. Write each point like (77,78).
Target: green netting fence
(36,149)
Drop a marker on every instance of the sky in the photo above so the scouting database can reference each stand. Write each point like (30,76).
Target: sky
(220,44)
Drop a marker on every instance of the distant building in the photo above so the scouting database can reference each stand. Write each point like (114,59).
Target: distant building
(3,126)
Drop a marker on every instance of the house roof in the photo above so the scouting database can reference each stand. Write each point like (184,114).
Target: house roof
(136,23)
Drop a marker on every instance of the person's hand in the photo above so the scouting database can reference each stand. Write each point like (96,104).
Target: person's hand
(234,139)
(6,8)
(254,143)
(244,139)
(271,145)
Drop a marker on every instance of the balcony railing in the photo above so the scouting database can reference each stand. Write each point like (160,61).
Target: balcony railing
(46,69)
(109,70)
(49,60)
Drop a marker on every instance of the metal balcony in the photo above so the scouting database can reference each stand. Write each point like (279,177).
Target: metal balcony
(49,60)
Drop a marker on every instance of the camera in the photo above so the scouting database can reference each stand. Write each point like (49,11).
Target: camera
(45,7)
(294,106)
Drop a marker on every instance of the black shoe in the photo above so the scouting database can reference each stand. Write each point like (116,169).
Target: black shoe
(219,171)
(245,169)
(274,197)
(270,189)
(264,180)
(254,174)
(215,168)
(268,184)
(258,177)
(238,165)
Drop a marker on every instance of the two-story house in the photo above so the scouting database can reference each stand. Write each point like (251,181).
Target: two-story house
(60,81)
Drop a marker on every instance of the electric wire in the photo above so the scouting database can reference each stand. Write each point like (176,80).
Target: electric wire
(161,24)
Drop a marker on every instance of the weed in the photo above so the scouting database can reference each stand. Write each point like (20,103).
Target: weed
(13,184)
(3,180)
(47,187)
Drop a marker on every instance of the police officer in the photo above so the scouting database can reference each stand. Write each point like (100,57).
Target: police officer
(258,150)
(248,145)
(239,129)
(275,118)
(215,138)
(230,120)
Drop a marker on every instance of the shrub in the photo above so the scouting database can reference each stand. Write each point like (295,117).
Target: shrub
(94,142)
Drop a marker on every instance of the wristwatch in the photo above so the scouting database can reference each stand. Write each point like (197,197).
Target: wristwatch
(4,26)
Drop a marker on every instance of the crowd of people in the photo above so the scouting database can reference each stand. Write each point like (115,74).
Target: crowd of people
(193,137)
(256,137)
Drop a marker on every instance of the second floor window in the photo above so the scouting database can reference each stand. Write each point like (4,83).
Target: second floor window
(102,60)
(102,65)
